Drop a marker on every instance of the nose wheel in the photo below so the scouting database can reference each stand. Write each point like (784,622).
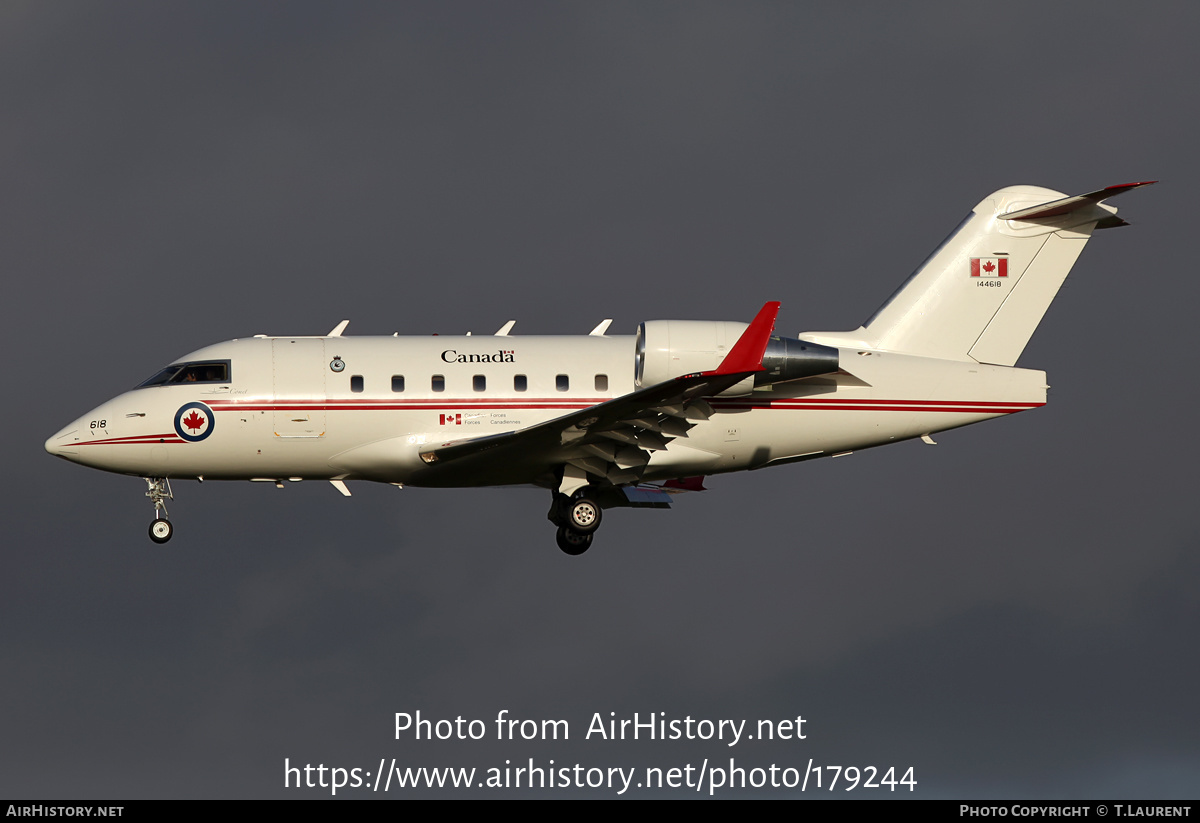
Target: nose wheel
(159,491)
(161,530)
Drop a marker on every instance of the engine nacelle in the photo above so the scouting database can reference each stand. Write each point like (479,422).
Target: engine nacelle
(669,348)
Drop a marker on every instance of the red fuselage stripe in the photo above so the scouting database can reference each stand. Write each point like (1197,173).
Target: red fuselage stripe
(437,402)
(807,404)
(839,402)
(972,406)
(960,408)
(395,407)
(132,440)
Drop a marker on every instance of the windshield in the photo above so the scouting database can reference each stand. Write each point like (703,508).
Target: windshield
(212,371)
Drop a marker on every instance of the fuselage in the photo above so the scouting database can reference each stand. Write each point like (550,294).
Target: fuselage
(598,419)
(350,408)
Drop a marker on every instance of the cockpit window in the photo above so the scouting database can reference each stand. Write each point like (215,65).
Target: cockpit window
(216,371)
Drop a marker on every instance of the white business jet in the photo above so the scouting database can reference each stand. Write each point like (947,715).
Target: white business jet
(606,421)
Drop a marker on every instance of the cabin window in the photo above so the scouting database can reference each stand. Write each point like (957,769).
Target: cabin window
(602,382)
(562,382)
(520,382)
(439,382)
(479,382)
(397,382)
(356,383)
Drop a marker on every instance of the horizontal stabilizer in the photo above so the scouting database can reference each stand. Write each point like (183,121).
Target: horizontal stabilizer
(1067,205)
(1111,222)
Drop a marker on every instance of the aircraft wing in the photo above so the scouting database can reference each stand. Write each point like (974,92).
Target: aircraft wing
(614,439)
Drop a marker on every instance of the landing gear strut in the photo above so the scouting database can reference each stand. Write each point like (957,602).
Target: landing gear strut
(160,492)
(577,518)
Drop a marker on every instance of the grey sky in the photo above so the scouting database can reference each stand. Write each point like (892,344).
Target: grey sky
(1012,612)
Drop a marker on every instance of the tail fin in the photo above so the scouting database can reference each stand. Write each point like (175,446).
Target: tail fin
(982,293)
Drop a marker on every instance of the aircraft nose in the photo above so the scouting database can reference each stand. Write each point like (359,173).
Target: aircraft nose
(62,444)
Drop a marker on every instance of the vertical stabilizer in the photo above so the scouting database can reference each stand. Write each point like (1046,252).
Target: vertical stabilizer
(982,293)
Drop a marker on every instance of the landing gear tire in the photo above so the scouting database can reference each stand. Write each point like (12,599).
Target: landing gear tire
(572,542)
(583,515)
(161,530)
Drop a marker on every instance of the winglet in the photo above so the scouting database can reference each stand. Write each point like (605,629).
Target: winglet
(686,484)
(747,353)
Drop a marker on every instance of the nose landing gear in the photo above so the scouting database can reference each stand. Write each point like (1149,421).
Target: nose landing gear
(160,491)
(577,518)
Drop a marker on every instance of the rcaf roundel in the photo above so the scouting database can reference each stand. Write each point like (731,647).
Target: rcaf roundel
(194,422)
(989,267)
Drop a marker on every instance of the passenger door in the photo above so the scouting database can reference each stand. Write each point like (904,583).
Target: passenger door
(299,372)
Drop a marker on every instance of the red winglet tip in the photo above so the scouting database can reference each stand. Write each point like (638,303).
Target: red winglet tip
(747,353)
(688,484)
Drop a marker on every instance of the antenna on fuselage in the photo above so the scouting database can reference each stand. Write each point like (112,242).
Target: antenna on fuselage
(338,329)
(506,328)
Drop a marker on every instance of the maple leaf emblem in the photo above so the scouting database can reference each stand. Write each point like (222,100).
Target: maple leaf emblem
(989,267)
(193,421)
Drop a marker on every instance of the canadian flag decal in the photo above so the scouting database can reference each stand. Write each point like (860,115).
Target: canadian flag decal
(989,267)
(450,419)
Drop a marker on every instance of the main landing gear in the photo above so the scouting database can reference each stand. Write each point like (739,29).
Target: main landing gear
(577,518)
(160,492)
